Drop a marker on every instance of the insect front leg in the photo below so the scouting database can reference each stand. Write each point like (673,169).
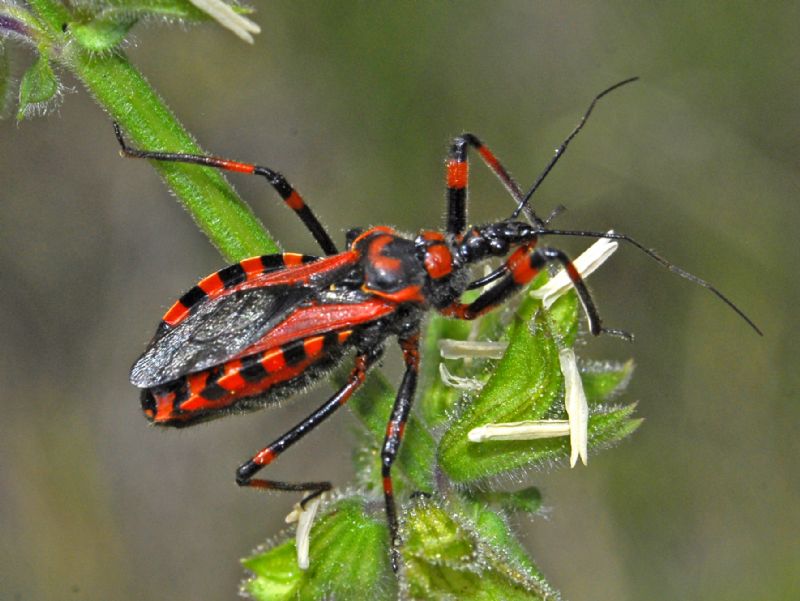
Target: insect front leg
(522,266)
(245,473)
(289,195)
(394,436)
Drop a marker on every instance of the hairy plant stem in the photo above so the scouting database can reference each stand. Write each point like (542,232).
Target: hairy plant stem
(125,94)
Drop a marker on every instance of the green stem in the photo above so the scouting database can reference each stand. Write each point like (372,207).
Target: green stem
(124,93)
(228,222)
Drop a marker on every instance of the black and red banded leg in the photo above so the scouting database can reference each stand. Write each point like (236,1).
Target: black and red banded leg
(522,266)
(289,195)
(458,180)
(394,436)
(245,473)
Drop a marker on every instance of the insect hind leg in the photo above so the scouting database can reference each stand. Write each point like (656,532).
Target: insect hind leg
(246,472)
(288,194)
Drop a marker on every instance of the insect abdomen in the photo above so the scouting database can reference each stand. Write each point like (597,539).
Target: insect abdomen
(245,383)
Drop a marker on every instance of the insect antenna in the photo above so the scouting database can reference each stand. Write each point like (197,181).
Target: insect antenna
(561,149)
(655,256)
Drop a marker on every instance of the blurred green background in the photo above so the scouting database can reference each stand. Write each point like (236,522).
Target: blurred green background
(356,104)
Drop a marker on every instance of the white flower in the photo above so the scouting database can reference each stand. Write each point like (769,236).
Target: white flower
(577,427)
(458,382)
(228,18)
(304,516)
(577,407)
(592,258)
(471,349)
(525,430)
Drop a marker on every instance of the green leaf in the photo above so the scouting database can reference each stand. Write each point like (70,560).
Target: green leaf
(527,499)
(101,35)
(348,559)
(39,86)
(526,382)
(612,425)
(604,380)
(528,385)
(565,314)
(465,552)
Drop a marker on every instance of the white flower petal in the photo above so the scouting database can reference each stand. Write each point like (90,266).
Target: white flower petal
(471,349)
(592,258)
(458,382)
(577,407)
(525,430)
(294,514)
(304,516)
(228,18)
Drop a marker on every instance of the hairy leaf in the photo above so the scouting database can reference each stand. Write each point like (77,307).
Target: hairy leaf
(463,551)
(349,559)
(39,86)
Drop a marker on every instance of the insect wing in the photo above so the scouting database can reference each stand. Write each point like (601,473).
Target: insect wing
(216,331)
(310,323)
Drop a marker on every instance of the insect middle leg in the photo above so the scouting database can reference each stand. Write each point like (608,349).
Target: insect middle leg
(394,436)
(289,195)
(245,473)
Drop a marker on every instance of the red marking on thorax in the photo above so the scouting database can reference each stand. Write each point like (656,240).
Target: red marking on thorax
(432,236)
(438,261)
(384,229)
(379,260)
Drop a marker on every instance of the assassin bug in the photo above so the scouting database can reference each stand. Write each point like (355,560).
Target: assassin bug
(261,329)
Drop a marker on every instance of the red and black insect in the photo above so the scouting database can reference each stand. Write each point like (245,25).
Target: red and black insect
(263,328)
